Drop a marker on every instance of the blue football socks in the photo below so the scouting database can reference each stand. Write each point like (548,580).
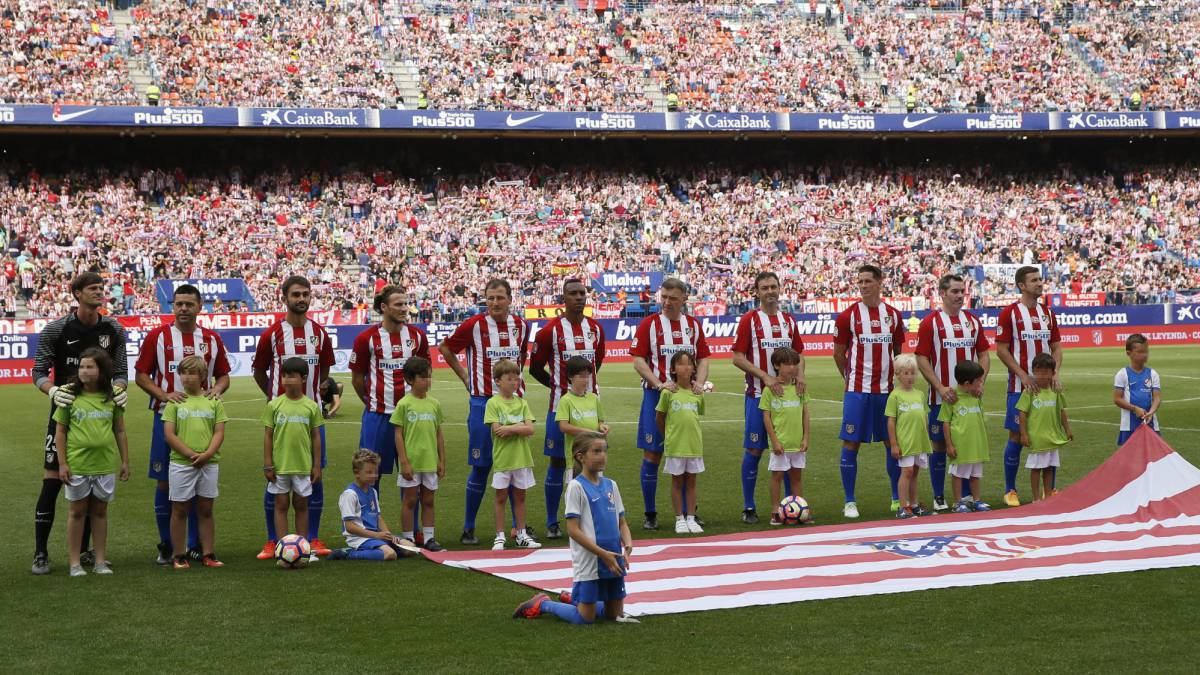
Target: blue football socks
(849,472)
(937,473)
(193,525)
(316,504)
(554,489)
(893,471)
(649,485)
(162,515)
(1012,464)
(568,612)
(372,554)
(749,478)
(269,508)
(476,484)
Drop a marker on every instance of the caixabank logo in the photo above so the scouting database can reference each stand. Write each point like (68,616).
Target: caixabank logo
(1107,121)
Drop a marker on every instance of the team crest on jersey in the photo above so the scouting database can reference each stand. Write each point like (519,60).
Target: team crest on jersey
(609,495)
(312,340)
(549,443)
(105,341)
(849,428)
(649,438)
(409,344)
(935,428)
(156,466)
(634,344)
(201,348)
(753,437)
(475,453)
(887,320)
(687,331)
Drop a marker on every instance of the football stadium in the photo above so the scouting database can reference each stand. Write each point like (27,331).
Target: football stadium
(423,334)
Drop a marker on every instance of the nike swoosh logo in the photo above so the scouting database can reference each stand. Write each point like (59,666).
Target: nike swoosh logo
(71,342)
(912,124)
(70,116)
(510,121)
(595,499)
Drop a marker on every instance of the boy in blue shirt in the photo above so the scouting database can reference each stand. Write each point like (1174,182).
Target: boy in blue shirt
(363,526)
(600,542)
(1137,391)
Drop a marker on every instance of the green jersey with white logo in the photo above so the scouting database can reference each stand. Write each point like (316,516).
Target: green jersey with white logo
(787,416)
(1043,419)
(968,431)
(912,414)
(195,421)
(91,443)
(513,452)
(292,422)
(682,437)
(420,419)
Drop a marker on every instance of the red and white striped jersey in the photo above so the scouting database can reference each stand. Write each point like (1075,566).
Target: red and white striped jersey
(658,338)
(870,335)
(758,336)
(558,341)
(486,341)
(380,356)
(1029,332)
(282,341)
(945,340)
(165,346)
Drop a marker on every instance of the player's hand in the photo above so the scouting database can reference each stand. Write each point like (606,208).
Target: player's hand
(441,470)
(316,474)
(610,561)
(776,448)
(120,396)
(1030,384)
(771,382)
(406,470)
(698,388)
(895,452)
(1070,436)
(1025,442)
(628,554)
(124,471)
(212,395)
(201,459)
(668,386)
(64,472)
(270,475)
(804,444)
(951,452)
(603,428)
(1138,411)
(801,386)
(1056,383)
(175,397)
(948,394)
(503,432)
(62,396)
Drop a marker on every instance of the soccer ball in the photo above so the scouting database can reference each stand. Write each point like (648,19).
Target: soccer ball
(292,551)
(793,510)
(708,387)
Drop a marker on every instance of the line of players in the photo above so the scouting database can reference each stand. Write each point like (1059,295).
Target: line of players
(868,335)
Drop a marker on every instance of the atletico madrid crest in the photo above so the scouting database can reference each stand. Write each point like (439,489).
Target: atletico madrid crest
(849,428)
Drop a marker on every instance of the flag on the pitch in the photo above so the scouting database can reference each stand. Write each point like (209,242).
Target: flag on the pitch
(1139,510)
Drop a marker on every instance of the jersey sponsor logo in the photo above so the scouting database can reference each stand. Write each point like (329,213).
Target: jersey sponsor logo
(583,414)
(589,354)
(1034,335)
(909,407)
(671,350)
(414,416)
(81,415)
(392,365)
(676,406)
(775,343)
(281,418)
(172,367)
(1039,403)
(875,339)
(964,410)
(506,418)
(780,404)
(310,359)
(958,343)
(497,353)
(182,414)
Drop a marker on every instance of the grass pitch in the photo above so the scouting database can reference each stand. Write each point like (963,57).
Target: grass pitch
(344,616)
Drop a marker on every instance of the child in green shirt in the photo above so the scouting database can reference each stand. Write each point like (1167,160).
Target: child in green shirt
(1044,427)
(511,421)
(907,414)
(678,415)
(579,410)
(785,419)
(292,446)
(194,430)
(966,436)
(90,440)
(421,449)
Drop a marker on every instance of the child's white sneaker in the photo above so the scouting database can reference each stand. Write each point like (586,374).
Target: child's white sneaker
(693,527)
(681,526)
(526,541)
(498,542)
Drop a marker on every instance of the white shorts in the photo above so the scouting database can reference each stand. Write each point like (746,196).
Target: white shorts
(301,484)
(788,460)
(522,479)
(974,470)
(920,461)
(187,481)
(1042,460)
(102,487)
(677,466)
(426,479)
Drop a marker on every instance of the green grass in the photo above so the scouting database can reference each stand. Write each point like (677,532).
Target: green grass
(375,616)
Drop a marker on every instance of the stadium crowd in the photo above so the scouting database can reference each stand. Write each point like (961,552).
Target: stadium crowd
(1125,235)
(1002,55)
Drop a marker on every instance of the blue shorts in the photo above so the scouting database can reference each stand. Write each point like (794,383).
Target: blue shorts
(755,435)
(863,419)
(597,590)
(1012,419)
(554,438)
(379,436)
(1123,436)
(160,452)
(649,438)
(479,435)
(935,425)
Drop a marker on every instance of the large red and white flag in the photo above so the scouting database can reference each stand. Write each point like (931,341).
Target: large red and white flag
(1139,510)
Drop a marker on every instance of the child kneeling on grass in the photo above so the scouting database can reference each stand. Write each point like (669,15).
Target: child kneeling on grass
(363,526)
(600,542)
